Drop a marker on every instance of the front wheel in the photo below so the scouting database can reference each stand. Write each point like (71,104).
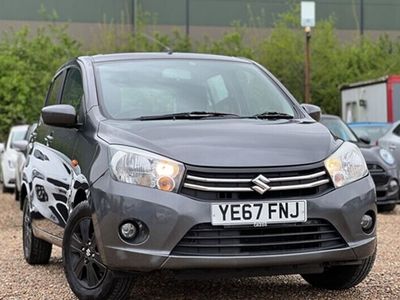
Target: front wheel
(341,277)
(86,274)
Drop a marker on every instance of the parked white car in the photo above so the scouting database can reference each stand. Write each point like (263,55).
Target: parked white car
(22,148)
(9,158)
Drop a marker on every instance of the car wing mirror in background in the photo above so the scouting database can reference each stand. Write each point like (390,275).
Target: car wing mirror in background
(61,115)
(313,110)
(365,139)
(20,146)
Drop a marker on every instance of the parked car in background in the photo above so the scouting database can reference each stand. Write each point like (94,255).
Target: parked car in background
(9,158)
(21,146)
(191,162)
(372,130)
(391,140)
(381,164)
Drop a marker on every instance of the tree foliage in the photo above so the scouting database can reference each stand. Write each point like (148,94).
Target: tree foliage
(27,64)
(28,60)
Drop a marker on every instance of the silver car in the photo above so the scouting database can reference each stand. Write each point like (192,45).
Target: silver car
(391,140)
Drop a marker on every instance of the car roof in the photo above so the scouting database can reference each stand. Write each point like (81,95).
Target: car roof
(19,128)
(366,124)
(325,116)
(160,55)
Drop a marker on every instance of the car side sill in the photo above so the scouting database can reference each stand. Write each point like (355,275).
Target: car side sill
(44,235)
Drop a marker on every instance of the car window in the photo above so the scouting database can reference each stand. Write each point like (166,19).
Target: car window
(73,89)
(55,89)
(132,89)
(396,131)
(339,129)
(15,135)
(373,132)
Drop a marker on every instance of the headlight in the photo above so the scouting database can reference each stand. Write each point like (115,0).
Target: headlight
(386,156)
(346,165)
(144,168)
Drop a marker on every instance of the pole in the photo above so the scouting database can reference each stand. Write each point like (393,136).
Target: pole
(361,18)
(134,16)
(187,18)
(307,69)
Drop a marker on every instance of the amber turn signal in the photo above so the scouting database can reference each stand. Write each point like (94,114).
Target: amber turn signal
(165,183)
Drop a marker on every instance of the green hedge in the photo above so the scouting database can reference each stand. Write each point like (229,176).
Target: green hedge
(28,60)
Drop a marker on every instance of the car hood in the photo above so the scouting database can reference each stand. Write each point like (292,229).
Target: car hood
(372,156)
(226,142)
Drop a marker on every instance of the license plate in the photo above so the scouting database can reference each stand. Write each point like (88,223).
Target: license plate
(258,214)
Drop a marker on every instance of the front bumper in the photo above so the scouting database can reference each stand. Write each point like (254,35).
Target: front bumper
(384,193)
(170,216)
(8,176)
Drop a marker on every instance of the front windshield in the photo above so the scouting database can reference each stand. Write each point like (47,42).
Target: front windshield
(339,129)
(18,135)
(373,132)
(138,88)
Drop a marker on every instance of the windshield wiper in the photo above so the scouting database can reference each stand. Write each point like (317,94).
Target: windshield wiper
(186,115)
(272,115)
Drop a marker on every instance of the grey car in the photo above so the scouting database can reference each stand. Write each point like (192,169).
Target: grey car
(191,163)
(380,162)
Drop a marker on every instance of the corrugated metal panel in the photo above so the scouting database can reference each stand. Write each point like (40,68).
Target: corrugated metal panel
(379,14)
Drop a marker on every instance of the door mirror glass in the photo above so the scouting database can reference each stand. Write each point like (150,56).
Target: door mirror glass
(61,115)
(314,111)
(20,145)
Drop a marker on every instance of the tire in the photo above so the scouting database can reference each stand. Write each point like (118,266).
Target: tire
(386,207)
(36,251)
(341,277)
(87,276)
(16,195)
(6,190)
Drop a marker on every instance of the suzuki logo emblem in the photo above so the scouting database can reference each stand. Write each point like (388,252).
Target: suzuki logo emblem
(261,184)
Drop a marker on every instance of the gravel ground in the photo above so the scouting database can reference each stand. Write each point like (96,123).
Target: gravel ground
(18,280)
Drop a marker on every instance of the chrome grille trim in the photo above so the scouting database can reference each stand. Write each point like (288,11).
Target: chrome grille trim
(221,180)
(245,180)
(249,189)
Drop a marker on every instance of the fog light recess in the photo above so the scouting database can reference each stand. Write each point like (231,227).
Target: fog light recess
(133,231)
(393,186)
(368,222)
(128,230)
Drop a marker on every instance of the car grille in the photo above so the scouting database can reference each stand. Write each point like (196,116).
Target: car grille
(236,184)
(208,240)
(378,174)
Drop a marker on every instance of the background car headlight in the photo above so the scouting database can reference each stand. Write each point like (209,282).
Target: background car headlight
(346,165)
(144,168)
(386,156)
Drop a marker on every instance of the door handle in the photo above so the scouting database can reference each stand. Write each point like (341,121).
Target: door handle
(392,147)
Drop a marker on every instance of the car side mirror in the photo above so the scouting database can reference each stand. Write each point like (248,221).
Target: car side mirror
(313,110)
(61,115)
(20,146)
(365,139)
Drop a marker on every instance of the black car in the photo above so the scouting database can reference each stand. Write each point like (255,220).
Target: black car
(381,163)
(191,162)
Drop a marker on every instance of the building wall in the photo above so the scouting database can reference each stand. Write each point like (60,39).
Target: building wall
(88,18)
